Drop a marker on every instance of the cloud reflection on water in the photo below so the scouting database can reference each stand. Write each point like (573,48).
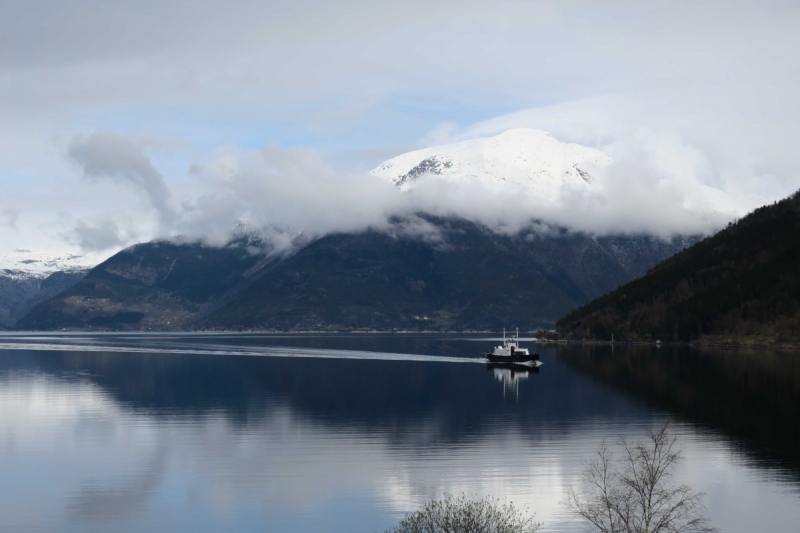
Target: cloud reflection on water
(106,448)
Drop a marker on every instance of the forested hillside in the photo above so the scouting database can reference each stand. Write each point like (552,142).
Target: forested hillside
(742,282)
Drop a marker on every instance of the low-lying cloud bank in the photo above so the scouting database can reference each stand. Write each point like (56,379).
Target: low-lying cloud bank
(655,185)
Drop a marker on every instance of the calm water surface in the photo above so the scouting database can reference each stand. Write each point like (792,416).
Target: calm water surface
(347,433)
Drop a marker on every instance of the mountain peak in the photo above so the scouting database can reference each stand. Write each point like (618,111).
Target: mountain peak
(528,158)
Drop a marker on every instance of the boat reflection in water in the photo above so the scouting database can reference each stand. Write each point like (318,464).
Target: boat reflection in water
(510,375)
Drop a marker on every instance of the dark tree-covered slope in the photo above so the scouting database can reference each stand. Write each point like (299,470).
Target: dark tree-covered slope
(469,279)
(743,281)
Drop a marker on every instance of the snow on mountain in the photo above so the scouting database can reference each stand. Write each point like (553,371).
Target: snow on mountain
(25,264)
(531,159)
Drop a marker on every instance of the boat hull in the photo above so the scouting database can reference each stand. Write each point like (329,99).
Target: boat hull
(512,358)
(529,366)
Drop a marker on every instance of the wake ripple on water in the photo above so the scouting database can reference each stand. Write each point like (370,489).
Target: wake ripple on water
(265,351)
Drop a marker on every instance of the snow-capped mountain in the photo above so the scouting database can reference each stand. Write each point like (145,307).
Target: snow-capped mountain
(29,277)
(531,159)
(24,263)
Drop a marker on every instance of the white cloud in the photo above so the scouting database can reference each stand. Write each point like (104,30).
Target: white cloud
(712,83)
(746,148)
(284,188)
(11,216)
(655,185)
(101,235)
(106,155)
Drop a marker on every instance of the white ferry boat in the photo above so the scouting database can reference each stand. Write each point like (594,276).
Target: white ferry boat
(511,352)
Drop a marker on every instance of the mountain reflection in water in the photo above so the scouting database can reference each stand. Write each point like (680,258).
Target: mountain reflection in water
(184,433)
(750,394)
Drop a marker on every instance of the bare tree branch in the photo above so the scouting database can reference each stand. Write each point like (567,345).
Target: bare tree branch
(462,515)
(634,494)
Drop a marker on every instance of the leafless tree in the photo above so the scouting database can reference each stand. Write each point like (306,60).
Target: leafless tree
(462,515)
(635,493)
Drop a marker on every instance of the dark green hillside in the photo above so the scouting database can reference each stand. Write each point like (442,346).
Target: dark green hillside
(158,285)
(472,279)
(742,282)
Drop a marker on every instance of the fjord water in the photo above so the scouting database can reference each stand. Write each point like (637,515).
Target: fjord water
(348,433)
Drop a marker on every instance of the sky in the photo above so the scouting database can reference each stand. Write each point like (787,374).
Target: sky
(125,121)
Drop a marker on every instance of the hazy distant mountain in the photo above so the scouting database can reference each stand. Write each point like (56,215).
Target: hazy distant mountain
(159,285)
(20,293)
(742,282)
(28,277)
(531,159)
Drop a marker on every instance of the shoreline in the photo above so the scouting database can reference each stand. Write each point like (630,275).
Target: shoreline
(721,342)
(260,331)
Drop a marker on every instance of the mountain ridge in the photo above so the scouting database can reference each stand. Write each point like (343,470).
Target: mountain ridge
(473,279)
